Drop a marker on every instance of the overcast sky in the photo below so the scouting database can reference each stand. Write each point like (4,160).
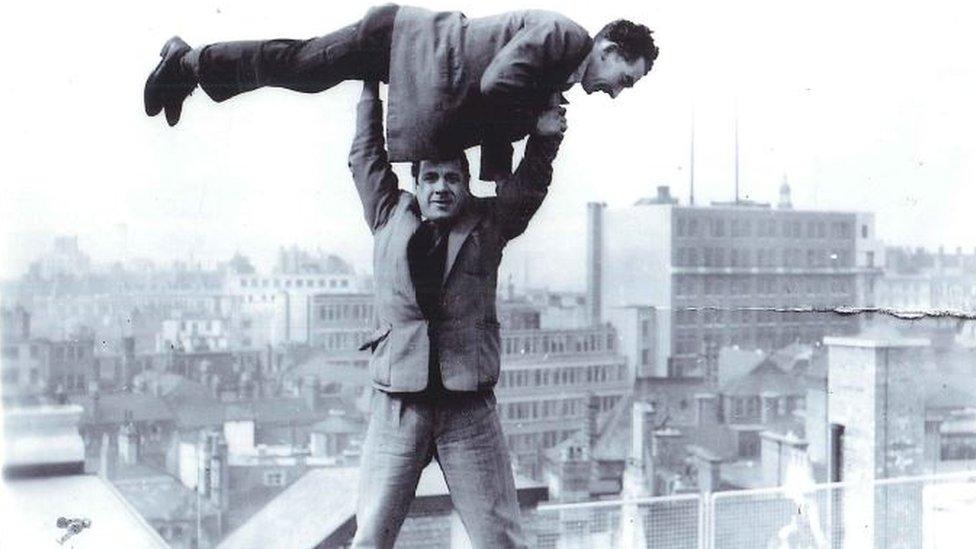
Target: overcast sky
(863,106)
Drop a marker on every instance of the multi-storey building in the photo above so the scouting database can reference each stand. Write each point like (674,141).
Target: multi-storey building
(922,281)
(340,322)
(284,298)
(731,274)
(547,380)
(24,360)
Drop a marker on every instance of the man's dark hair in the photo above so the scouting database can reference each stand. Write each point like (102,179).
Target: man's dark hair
(634,40)
(461,157)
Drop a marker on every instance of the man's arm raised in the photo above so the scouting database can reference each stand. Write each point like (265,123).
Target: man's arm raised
(374,177)
(521,195)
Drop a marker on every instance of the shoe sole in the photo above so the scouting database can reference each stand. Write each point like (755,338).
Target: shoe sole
(152,103)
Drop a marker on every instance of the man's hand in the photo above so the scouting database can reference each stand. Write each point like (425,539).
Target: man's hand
(551,122)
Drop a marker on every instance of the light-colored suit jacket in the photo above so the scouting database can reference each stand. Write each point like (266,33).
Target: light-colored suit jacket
(462,82)
(467,337)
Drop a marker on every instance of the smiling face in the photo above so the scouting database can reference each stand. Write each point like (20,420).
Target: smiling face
(608,71)
(442,189)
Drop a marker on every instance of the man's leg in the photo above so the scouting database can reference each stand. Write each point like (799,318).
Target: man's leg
(472,453)
(357,52)
(398,445)
(227,69)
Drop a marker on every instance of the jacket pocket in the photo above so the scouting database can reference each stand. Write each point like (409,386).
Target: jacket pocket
(375,338)
(379,362)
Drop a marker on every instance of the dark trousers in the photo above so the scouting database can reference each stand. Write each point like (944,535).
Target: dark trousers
(360,51)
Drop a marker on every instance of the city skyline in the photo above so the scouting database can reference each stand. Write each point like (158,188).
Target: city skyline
(832,106)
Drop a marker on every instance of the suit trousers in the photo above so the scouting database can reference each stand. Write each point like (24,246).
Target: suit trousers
(464,434)
(360,51)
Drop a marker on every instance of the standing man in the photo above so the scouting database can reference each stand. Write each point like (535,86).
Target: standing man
(454,82)
(435,357)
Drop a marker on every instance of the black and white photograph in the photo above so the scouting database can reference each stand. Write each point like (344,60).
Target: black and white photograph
(457,274)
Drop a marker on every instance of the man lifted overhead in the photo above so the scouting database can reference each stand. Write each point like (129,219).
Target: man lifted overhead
(454,82)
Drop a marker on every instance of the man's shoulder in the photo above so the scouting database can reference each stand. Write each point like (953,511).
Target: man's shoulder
(559,21)
(405,203)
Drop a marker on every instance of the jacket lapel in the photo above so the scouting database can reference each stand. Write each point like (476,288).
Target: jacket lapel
(458,235)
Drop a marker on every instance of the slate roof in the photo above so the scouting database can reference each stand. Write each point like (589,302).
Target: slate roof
(274,410)
(156,494)
(111,408)
(765,377)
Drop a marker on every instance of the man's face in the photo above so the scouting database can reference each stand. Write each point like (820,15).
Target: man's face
(442,189)
(609,72)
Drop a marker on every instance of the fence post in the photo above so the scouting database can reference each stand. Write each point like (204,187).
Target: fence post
(704,518)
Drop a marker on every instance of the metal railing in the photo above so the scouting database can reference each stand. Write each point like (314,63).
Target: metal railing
(925,512)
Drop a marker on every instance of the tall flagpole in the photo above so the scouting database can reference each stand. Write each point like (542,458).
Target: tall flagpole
(737,152)
(691,196)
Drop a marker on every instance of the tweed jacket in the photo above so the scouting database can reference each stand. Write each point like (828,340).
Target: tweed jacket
(462,82)
(468,335)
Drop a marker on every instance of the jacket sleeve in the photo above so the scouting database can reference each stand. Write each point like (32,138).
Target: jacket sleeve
(516,74)
(371,170)
(518,197)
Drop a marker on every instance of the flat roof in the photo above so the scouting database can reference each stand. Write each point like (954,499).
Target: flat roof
(34,506)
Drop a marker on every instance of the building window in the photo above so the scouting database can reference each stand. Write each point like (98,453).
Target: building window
(718,227)
(748,444)
(274,478)
(11,376)
(864,231)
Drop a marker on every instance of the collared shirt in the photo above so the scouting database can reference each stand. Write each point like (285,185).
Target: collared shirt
(576,77)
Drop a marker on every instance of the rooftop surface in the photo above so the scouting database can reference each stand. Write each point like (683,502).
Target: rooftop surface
(31,509)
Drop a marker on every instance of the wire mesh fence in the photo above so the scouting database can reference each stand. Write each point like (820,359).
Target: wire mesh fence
(672,522)
(928,512)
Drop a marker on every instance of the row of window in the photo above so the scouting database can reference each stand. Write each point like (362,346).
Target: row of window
(553,409)
(698,256)
(531,442)
(297,283)
(717,285)
(58,352)
(748,409)
(11,376)
(725,317)
(196,326)
(346,311)
(568,342)
(693,343)
(340,341)
(562,376)
(743,228)
(958,447)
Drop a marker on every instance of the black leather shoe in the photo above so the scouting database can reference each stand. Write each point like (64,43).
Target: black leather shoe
(170,83)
